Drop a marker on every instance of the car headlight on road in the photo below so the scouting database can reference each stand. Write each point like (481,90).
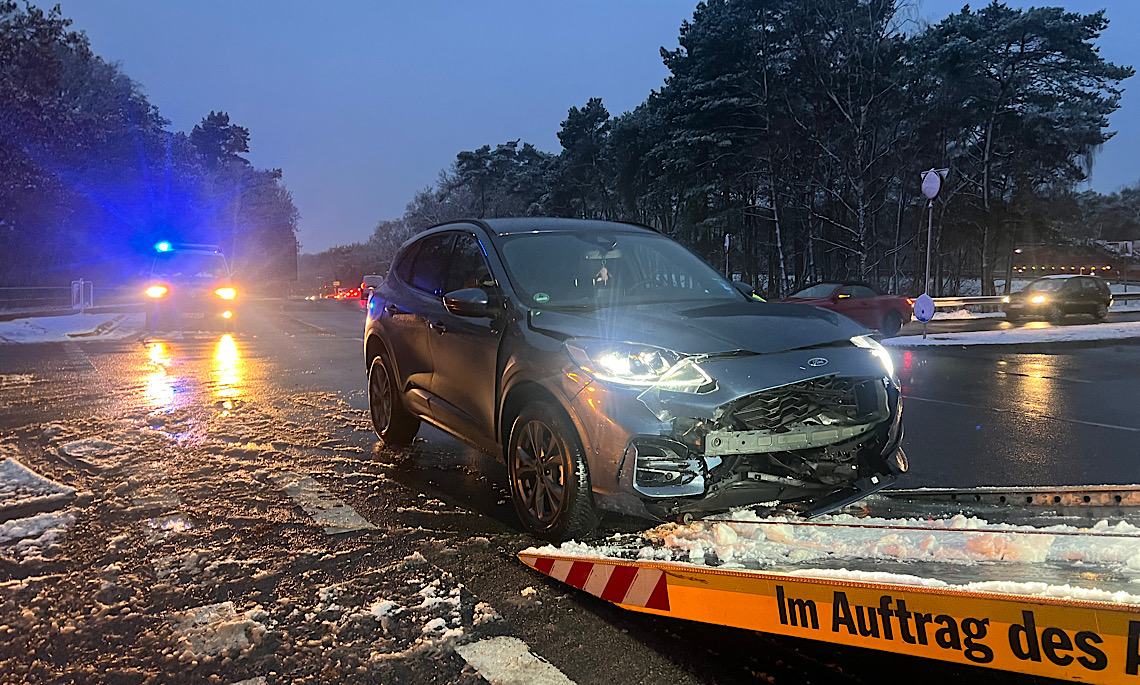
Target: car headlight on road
(226,293)
(1037,299)
(156,291)
(637,366)
(1005,300)
(877,350)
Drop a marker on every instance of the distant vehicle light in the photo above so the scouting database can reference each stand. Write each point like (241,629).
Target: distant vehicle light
(226,293)
(910,301)
(1037,299)
(1005,300)
(156,291)
(162,247)
(227,314)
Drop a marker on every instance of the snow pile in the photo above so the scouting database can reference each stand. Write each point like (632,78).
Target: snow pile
(96,452)
(20,487)
(743,539)
(71,327)
(1030,333)
(30,538)
(217,628)
(966,314)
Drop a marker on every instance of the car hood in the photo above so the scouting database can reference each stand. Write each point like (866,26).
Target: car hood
(761,327)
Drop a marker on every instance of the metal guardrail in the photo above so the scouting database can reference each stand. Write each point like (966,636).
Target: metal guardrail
(941,302)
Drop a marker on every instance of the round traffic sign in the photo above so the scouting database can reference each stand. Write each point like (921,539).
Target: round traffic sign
(924,308)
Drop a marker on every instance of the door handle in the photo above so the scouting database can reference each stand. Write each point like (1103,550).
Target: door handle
(393,309)
(437,326)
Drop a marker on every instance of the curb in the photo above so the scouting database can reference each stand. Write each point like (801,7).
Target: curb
(1043,346)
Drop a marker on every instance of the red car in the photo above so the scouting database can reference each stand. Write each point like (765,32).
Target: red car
(859,301)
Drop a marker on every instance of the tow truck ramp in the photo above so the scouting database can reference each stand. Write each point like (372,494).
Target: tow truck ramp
(1064,602)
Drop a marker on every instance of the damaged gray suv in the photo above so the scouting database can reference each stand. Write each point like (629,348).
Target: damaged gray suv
(613,369)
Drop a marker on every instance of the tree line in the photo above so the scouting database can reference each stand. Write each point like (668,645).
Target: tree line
(800,129)
(91,176)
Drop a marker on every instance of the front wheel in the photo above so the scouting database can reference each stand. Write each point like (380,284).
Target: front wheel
(1101,312)
(1055,314)
(549,479)
(892,323)
(395,425)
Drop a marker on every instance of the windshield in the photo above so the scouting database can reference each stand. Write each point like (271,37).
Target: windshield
(1048,285)
(815,292)
(593,269)
(191,265)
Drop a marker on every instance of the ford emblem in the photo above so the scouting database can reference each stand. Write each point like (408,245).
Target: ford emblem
(817,361)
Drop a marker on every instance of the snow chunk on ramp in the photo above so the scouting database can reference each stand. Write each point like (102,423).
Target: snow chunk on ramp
(321,505)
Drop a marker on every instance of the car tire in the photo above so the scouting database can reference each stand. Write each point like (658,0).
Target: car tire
(1055,314)
(549,478)
(1101,312)
(1012,318)
(891,324)
(393,423)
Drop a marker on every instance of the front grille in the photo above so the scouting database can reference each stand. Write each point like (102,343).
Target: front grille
(820,401)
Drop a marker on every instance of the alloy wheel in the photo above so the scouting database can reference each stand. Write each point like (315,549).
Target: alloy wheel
(379,397)
(539,471)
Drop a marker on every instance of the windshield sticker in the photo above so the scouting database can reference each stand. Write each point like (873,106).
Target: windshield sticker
(541,298)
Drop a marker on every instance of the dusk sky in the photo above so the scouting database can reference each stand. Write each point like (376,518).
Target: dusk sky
(363,103)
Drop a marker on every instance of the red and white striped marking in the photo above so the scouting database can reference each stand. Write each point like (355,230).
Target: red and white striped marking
(618,583)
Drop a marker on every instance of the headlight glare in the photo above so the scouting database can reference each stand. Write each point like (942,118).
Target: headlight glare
(877,350)
(226,293)
(1005,300)
(637,366)
(1037,299)
(156,291)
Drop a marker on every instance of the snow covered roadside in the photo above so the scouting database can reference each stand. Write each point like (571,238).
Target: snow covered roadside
(25,491)
(71,327)
(742,539)
(1027,334)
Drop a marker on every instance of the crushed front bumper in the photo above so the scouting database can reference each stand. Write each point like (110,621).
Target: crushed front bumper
(776,429)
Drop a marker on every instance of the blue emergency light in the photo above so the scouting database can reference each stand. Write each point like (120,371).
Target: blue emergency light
(162,247)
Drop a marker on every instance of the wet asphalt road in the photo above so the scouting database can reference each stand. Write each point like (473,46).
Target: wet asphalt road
(972,418)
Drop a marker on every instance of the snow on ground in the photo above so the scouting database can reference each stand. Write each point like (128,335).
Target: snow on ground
(1030,333)
(21,487)
(34,537)
(218,629)
(965,314)
(743,539)
(72,327)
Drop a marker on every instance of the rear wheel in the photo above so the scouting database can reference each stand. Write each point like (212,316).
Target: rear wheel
(394,424)
(891,323)
(549,478)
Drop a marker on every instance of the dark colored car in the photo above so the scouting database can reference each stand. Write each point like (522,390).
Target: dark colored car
(367,286)
(859,301)
(612,368)
(1055,297)
(189,288)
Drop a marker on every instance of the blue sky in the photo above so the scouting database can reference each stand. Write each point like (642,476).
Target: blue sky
(363,103)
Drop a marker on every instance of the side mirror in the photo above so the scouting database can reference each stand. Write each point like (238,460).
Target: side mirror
(743,287)
(471,302)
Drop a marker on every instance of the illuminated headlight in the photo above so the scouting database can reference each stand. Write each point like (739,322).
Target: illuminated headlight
(156,291)
(226,293)
(637,366)
(1005,300)
(1037,299)
(877,350)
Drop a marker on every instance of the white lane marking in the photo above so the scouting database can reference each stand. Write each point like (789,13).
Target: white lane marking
(561,569)
(641,589)
(599,577)
(911,398)
(508,661)
(320,504)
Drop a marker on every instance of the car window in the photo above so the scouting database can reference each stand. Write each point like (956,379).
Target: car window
(857,291)
(596,269)
(1073,284)
(431,262)
(191,265)
(1089,285)
(815,292)
(404,264)
(468,267)
(1046,285)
